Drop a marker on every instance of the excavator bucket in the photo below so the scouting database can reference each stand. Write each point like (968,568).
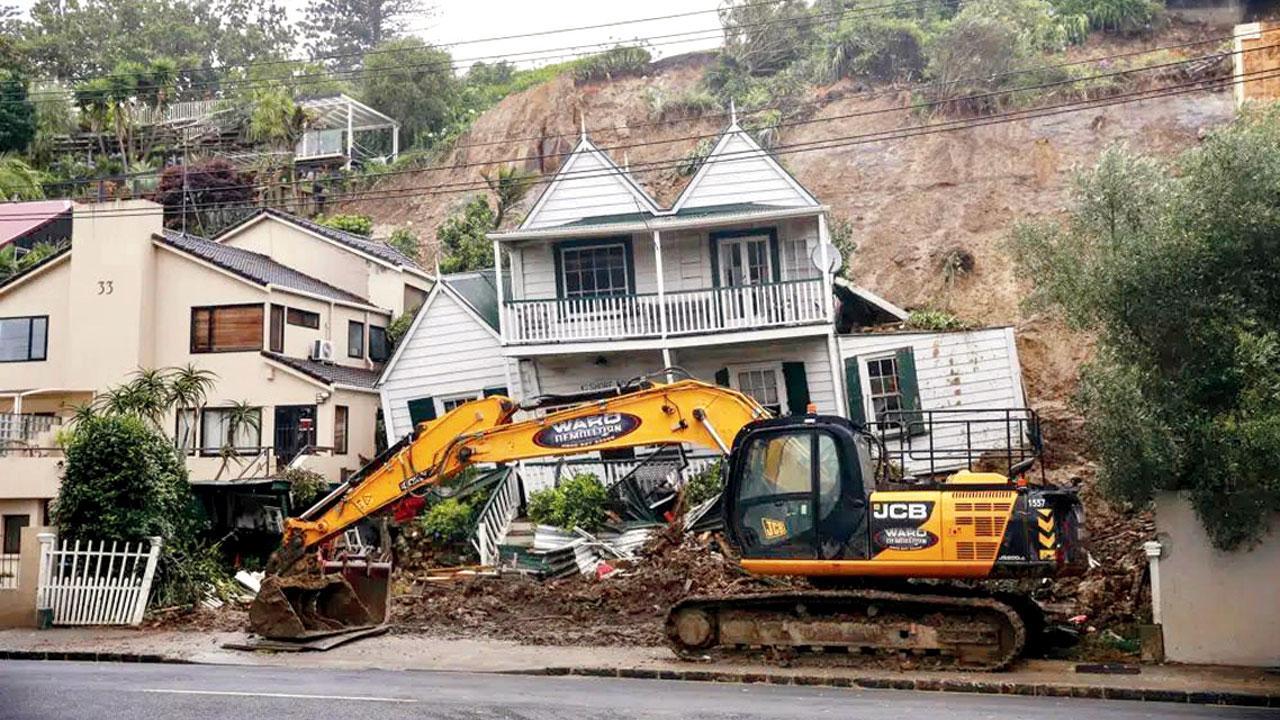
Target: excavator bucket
(307,606)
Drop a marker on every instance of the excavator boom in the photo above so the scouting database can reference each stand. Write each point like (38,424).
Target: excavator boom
(481,431)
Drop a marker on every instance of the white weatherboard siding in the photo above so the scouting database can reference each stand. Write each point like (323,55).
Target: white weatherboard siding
(739,171)
(589,185)
(450,352)
(705,362)
(563,374)
(686,259)
(967,370)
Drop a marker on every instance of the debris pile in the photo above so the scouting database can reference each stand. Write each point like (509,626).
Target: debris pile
(627,604)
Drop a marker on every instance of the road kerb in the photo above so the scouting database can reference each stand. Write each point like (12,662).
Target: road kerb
(985,687)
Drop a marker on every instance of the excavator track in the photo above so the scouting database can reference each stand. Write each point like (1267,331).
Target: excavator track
(936,631)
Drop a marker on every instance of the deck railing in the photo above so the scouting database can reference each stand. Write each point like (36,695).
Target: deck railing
(688,312)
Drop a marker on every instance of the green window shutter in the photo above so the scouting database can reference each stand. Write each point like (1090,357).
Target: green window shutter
(489,392)
(909,386)
(422,409)
(722,377)
(797,387)
(853,388)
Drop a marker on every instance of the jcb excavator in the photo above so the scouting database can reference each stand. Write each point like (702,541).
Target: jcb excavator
(804,496)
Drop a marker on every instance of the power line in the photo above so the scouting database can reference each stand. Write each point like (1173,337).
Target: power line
(795,148)
(811,121)
(456,64)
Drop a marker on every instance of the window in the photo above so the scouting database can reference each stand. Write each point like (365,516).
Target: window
(745,260)
(303,318)
(216,430)
(884,396)
(355,339)
(227,328)
(13,525)
(23,339)
(340,420)
(449,402)
(763,383)
(796,262)
(184,431)
(592,270)
(277,328)
(378,344)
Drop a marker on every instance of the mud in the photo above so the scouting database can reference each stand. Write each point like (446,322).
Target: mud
(625,607)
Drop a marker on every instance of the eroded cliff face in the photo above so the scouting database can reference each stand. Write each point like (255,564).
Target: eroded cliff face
(914,204)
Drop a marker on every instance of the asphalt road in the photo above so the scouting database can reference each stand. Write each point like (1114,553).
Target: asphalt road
(106,691)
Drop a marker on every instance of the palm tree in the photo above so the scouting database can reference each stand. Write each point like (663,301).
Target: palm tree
(279,123)
(510,185)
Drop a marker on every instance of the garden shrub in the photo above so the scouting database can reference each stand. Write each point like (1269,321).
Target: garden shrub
(617,62)
(875,47)
(705,485)
(577,502)
(449,521)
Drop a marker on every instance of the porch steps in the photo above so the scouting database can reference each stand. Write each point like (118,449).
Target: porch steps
(519,534)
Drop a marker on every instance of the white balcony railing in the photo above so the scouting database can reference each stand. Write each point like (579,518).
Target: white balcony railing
(688,312)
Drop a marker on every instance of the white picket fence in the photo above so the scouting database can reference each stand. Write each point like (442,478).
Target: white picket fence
(102,583)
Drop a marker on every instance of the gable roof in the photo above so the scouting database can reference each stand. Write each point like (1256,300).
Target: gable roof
(253,266)
(477,289)
(21,218)
(366,246)
(477,294)
(589,184)
(327,373)
(738,170)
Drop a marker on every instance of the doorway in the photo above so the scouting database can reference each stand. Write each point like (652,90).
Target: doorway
(295,431)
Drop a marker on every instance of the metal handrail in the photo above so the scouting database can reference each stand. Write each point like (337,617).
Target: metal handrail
(983,438)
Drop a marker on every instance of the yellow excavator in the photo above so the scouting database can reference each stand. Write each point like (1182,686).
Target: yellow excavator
(811,495)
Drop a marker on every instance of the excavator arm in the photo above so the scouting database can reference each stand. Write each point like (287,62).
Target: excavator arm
(481,431)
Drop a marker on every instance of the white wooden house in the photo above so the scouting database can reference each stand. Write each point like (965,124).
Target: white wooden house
(602,285)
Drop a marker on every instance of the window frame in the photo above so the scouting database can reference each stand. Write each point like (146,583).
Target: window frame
(237,450)
(44,349)
(195,430)
(779,378)
(386,343)
(355,350)
(341,448)
(628,259)
(868,401)
(4,532)
(192,319)
(277,324)
(440,400)
(302,315)
(715,237)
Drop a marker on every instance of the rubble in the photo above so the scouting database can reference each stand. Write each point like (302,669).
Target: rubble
(626,606)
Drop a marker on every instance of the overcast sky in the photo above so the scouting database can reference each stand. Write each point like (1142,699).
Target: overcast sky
(452,21)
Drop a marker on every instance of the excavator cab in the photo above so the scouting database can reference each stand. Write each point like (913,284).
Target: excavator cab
(797,490)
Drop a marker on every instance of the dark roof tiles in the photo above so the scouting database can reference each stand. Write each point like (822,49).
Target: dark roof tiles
(255,266)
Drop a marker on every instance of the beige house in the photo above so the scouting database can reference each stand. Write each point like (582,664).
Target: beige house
(290,316)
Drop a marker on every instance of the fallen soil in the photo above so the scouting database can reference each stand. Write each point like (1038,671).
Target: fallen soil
(626,607)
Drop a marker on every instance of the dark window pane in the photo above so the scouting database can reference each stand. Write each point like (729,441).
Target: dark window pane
(355,339)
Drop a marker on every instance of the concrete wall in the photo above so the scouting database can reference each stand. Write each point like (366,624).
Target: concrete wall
(1216,607)
(18,604)
(381,283)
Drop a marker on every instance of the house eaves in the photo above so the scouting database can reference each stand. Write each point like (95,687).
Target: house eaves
(255,267)
(662,223)
(372,250)
(340,377)
(35,270)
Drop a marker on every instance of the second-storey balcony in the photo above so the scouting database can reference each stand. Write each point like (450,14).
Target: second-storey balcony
(681,312)
(736,271)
